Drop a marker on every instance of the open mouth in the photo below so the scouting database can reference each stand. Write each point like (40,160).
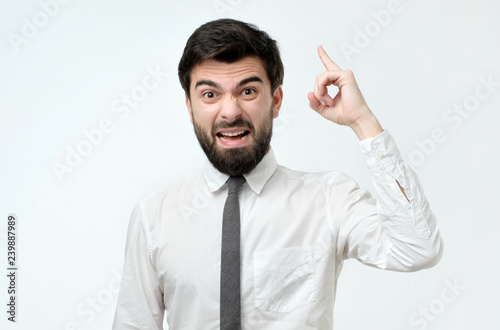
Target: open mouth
(233,136)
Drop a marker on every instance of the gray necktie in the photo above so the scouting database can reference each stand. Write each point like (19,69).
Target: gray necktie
(230,305)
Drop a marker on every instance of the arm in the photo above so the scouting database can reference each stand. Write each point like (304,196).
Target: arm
(348,107)
(397,231)
(140,301)
(393,231)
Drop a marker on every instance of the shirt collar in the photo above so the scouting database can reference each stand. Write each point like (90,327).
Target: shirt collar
(256,179)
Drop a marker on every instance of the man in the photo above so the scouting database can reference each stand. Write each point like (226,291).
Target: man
(296,228)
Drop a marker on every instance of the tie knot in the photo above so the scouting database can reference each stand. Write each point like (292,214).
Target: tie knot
(234,184)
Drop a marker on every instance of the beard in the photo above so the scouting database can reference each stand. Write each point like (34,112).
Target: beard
(239,160)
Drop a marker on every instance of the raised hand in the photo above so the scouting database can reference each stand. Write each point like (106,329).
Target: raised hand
(347,107)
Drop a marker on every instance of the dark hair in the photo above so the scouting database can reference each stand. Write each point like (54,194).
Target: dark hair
(227,40)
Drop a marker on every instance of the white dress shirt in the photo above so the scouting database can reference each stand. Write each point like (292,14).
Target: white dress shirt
(297,228)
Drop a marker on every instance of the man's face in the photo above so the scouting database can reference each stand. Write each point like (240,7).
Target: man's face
(232,109)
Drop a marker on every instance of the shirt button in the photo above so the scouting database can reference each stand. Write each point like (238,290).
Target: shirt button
(379,153)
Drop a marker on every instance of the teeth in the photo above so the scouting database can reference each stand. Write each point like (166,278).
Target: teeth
(232,134)
(227,134)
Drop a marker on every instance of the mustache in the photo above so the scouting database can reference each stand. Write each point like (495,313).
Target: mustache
(237,123)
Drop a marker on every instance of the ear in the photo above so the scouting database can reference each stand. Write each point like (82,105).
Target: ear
(277,100)
(190,111)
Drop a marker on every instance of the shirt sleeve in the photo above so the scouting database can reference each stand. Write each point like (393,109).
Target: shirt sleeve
(140,301)
(389,231)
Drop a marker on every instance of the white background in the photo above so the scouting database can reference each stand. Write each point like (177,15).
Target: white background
(65,66)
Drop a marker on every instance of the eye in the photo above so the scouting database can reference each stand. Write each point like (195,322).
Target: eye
(248,91)
(209,95)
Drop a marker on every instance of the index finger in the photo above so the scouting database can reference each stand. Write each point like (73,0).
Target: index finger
(327,61)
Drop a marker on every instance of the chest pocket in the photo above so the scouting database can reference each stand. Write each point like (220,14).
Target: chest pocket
(284,278)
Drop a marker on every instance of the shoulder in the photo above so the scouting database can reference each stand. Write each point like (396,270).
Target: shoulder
(172,195)
(329,183)
(308,178)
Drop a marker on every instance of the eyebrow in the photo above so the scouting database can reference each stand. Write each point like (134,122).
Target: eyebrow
(206,82)
(248,80)
(215,85)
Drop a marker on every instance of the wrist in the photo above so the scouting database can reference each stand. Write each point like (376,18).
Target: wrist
(367,127)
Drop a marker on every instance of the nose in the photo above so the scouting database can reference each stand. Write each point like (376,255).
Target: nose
(230,109)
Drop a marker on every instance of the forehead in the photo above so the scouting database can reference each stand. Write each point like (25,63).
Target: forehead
(229,73)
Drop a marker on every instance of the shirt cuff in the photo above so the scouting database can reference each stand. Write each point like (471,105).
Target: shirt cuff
(380,152)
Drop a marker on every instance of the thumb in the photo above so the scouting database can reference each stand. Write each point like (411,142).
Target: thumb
(313,102)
